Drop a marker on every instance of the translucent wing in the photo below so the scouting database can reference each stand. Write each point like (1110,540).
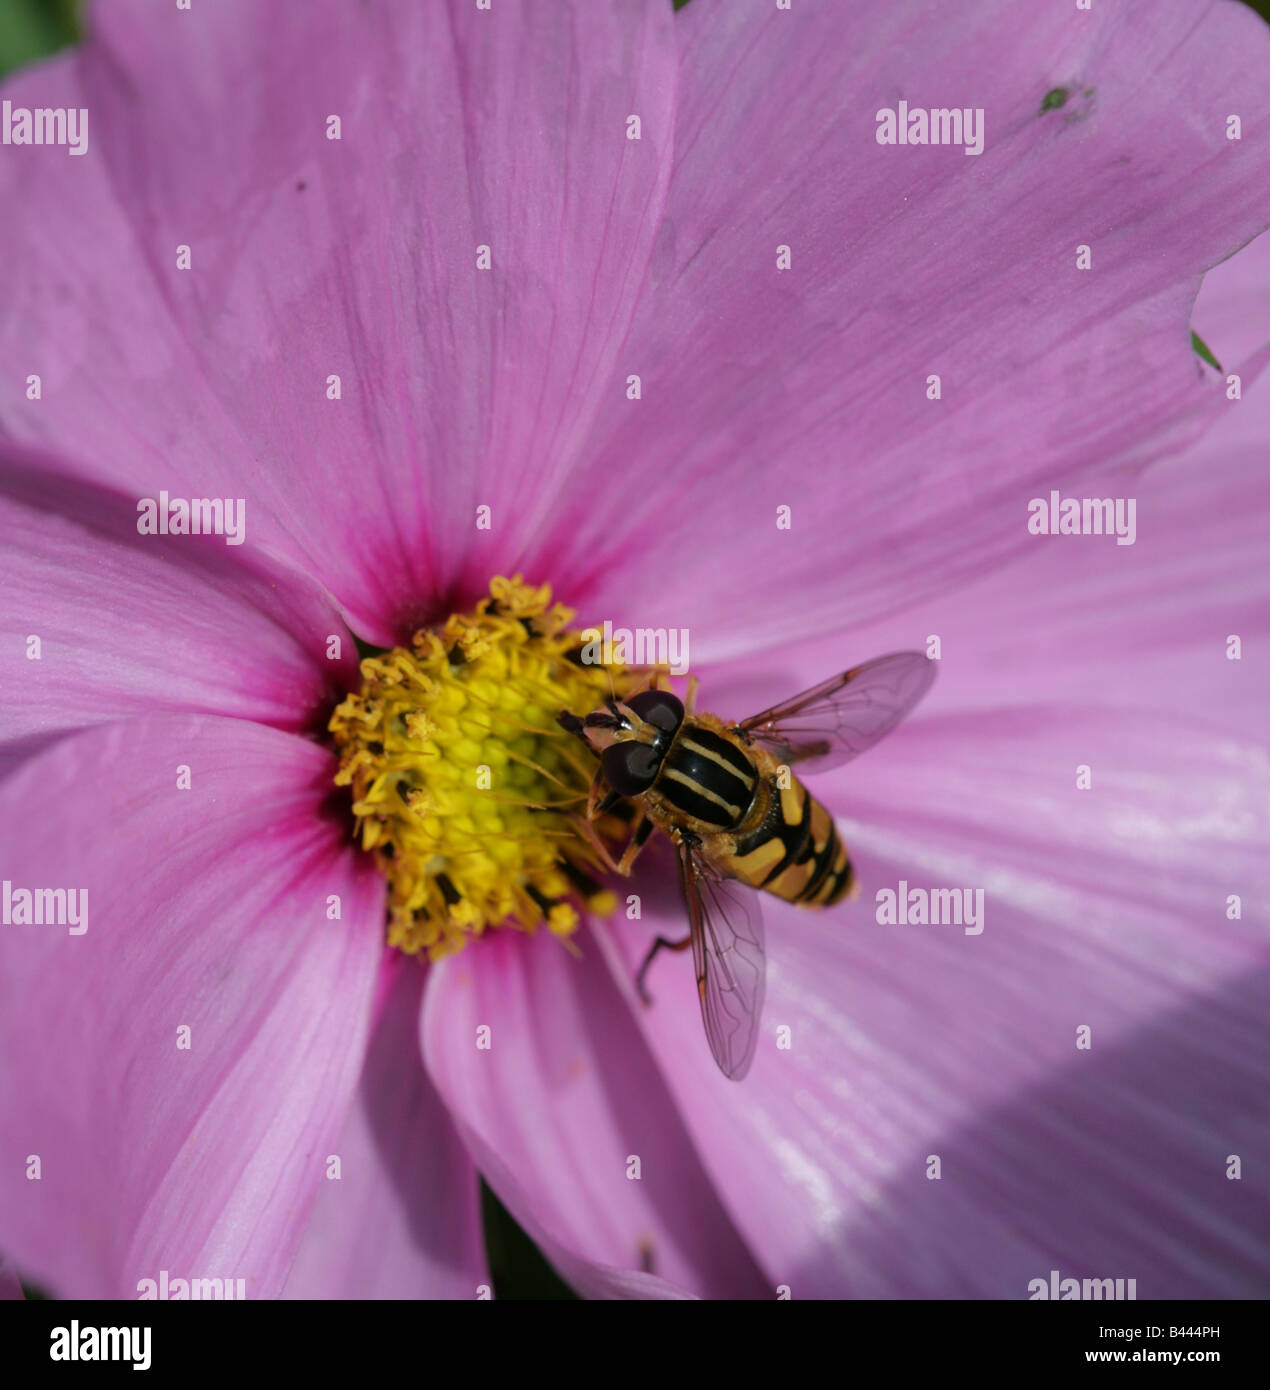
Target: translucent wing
(842,717)
(726,921)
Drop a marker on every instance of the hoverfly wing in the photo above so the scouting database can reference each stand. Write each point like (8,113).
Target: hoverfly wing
(726,923)
(844,716)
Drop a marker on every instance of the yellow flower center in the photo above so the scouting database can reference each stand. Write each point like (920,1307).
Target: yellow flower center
(465,788)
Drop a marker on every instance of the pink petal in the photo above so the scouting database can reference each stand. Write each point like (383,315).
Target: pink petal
(1081,619)
(207,910)
(1232,310)
(806,388)
(403,1220)
(132,624)
(10,1285)
(555,1110)
(357,257)
(1084,618)
(1105,908)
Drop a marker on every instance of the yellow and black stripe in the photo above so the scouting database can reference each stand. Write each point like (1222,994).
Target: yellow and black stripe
(796,852)
(709,778)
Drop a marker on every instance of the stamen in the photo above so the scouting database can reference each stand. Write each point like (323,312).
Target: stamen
(465,787)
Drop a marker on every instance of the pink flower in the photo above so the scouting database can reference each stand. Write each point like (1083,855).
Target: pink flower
(10,1285)
(178,1080)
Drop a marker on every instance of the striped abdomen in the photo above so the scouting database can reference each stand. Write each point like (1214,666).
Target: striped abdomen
(785,841)
(795,851)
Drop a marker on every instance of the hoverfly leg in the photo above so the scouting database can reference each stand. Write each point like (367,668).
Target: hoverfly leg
(597,805)
(643,829)
(690,699)
(592,795)
(588,833)
(662,943)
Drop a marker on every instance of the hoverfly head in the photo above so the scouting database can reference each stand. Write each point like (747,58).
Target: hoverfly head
(599,728)
(631,737)
(661,709)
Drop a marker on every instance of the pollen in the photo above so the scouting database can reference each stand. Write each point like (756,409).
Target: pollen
(466,790)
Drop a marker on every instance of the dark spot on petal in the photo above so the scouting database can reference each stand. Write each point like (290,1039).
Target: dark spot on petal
(336,808)
(1053,99)
(301,186)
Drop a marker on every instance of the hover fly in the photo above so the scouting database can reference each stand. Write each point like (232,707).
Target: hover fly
(739,818)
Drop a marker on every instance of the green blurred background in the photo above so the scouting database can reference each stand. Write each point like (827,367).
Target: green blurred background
(29,29)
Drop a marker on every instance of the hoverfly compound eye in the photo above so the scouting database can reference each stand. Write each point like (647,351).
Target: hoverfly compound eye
(630,768)
(659,708)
